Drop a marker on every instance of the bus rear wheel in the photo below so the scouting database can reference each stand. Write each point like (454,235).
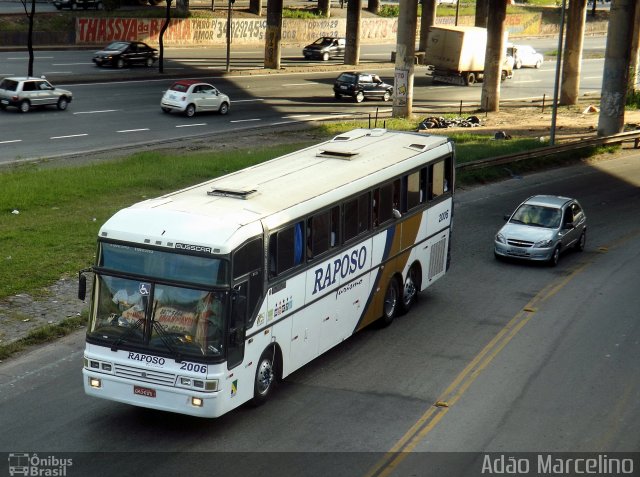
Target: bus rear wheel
(265,379)
(411,289)
(391,303)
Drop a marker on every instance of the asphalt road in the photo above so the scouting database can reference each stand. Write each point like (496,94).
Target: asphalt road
(111,112)
(520,357)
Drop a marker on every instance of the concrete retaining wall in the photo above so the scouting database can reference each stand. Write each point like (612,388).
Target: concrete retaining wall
(212,31)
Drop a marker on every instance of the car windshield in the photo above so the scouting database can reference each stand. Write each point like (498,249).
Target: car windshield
(537,216)
(323,41)
(179,87)
(117,46)
(347,78)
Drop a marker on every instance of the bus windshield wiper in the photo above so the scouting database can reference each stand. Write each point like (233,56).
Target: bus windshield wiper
(126,334)
(166,339)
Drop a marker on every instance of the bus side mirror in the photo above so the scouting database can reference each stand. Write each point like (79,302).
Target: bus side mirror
(82,287)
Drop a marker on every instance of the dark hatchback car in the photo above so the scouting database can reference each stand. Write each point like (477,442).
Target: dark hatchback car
(362,86)
(121,53)
(325,48)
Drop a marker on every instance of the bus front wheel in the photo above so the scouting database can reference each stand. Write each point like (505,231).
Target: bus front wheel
(265,379)
(391,303)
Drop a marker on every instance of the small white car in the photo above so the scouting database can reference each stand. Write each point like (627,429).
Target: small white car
(191,97)
(26,93)
(525,55)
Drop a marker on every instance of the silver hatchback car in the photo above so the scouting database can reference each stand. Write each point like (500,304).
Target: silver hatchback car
(26,93)
(541,228)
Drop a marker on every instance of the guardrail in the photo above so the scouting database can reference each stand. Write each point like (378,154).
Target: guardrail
(551,150)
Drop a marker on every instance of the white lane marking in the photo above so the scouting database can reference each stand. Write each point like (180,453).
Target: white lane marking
(301,84)
(71,64)
(69,136)
(247,100)
(57,72)
(190,125)
(292,116)
(133,130)
(528,81)
(245,120)
(26,58)
(10,141)
(96,112)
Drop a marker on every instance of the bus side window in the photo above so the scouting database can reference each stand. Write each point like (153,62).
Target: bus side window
(356,217)
(437,179)
(286,249)
(413,190)
(319,234)
(385,210)
(335,227)
(248,260)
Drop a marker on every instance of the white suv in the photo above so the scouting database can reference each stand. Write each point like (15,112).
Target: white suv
(25,93)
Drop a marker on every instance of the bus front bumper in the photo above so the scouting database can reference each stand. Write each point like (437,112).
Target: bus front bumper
(183,401)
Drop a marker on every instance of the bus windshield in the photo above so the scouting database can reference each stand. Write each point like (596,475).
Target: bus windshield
(174,321)
(180,321)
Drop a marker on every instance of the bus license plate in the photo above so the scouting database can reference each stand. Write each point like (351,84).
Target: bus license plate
(144,391)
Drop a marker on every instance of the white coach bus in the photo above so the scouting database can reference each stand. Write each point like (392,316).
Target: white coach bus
(203,298)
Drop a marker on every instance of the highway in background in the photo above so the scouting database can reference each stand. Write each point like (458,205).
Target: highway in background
(114,108)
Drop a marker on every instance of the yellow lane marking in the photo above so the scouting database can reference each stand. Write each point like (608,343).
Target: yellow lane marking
(425,423)
(467,376)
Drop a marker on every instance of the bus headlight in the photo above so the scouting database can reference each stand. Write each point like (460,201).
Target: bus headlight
(197,402)
(95,383)
(197,384)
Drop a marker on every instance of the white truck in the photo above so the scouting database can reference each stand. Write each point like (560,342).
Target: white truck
(455,54)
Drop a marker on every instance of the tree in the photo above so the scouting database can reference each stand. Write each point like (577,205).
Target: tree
(30,15)
(165,25)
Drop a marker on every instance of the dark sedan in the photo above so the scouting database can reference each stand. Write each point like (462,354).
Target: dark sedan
(121,53)
(361,86)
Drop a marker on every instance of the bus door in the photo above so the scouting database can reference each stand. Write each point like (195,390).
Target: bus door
(237,325)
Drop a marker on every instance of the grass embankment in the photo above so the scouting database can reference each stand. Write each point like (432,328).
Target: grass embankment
(50,216)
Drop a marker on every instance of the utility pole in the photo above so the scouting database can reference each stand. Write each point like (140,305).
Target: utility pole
(556,83)
(616,73)
(405,59)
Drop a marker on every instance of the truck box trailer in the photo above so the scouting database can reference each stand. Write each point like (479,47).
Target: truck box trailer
(455,54)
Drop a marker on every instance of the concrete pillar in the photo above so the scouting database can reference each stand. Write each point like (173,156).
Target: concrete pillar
(634,65)
(405,59)
(255,7)
(373,6)
(273,35)
(427,19)
(495,55)
(325,8)
(352,37)
(616,62)
(482,12)
(572,57)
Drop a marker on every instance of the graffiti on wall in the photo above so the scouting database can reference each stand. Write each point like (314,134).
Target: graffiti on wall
(213,31)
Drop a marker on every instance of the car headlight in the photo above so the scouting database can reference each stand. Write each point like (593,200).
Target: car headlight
(543,244)
(501,238)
